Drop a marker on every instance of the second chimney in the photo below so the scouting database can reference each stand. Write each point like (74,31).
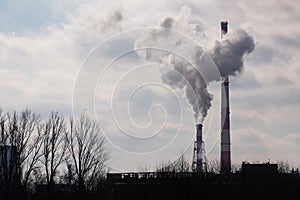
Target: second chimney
(199,148)
(225,119)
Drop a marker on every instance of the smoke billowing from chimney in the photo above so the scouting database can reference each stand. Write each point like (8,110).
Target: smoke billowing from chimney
(184,76)
(228,53)
(191,71)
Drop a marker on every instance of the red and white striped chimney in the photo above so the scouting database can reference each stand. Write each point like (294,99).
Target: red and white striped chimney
(225,119)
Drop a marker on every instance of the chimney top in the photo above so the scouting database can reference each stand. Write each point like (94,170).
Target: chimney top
(199,125)
(224,28)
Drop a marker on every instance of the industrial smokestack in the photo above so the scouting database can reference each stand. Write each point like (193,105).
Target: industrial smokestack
(224,28)
(199,148)
(225,119)
(193,73)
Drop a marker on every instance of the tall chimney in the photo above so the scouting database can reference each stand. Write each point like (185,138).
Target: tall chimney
(224,28)
(225,119)
(199,148)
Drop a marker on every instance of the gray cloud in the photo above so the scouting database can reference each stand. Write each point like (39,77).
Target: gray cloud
(292,42)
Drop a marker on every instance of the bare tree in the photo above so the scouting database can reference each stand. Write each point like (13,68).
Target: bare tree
(54,145)
(179,165)
(30,142)
(20,147)
(87,152)
(144,168)
(165,166)
(236,167)
(284,167)
(3,134)
(213,166)
(182,164)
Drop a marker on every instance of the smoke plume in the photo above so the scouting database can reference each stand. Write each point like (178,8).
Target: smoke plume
(189,65)
(228,54)
(183,75)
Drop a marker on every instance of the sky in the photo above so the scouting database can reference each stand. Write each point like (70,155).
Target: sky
(80,56)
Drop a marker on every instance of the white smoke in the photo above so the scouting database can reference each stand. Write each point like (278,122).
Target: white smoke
(228,53)
(189,67)
(183,75)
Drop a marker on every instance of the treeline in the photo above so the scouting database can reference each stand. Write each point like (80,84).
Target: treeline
(50,154)
(182,164)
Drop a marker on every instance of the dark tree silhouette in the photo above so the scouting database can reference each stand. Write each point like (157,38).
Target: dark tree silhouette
(54,145)
(3,134)
(213,166)
(284,167)
(87,153)
(20,148)
(32,152)
(236,167)
(179,165)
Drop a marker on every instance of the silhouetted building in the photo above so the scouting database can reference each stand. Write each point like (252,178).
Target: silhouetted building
(264,169)
(257,174)
(254,181)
